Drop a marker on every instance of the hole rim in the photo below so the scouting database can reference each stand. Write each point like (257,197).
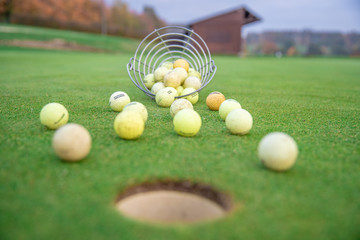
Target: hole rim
(200,189)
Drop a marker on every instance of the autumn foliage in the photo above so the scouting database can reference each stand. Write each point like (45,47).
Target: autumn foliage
(84,15)
(269,47)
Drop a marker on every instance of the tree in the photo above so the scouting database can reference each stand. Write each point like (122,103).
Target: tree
(314,49)
(339,50)
(5,10)
(291,51)
(84,12)
(117,18)
(149,12)
(269,47)
(86,15)
(355,50)
(103,18)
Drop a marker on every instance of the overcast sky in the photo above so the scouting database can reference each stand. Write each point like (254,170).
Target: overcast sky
(321,15)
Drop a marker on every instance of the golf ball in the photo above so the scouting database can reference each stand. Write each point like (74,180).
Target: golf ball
(182,73)
(156,87)
(118,101)
(193,72)
(149,80)
(139,108)
(187,122)
(54,115)
(171,79)
(227,106)
(160,73)
(165,97)
(129,125)
(214,100)
(278,151)
(180,104)
(181,63)
(239,121)
(168,65)
(179,90)
(193,98)
(71,142)
(192,82)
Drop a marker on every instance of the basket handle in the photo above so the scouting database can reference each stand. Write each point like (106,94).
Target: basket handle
(212,67)
(130,65)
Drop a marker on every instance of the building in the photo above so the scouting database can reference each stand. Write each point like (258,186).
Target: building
(222,32)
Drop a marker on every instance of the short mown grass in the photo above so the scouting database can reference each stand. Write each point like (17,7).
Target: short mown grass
(315,100)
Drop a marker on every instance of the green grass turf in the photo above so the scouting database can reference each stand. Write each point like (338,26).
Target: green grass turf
(107,43)
(314,100)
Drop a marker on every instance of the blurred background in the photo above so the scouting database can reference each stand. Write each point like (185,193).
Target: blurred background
(258,27)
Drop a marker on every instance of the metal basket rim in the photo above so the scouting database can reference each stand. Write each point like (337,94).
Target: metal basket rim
(209,62)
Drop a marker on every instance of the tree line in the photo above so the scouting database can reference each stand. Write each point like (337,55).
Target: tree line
(81,15)
(303,43)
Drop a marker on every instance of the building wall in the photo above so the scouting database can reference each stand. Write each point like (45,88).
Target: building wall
(222,34)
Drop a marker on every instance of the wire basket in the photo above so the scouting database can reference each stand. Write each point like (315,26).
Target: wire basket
(169,44)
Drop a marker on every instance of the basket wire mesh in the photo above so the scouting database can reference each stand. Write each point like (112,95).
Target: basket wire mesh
(169,44)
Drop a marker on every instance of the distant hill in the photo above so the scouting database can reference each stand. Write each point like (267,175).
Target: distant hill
(303,43)
(37,37)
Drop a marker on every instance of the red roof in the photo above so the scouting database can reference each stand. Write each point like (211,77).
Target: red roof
(249,16)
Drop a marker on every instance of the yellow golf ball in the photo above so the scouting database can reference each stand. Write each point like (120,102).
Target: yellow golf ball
(54,115)
(227,106)
(181,63)
(187,122)
(193,98)
(139,108)
(129,125)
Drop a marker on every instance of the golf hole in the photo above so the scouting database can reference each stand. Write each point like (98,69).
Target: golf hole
(173,202)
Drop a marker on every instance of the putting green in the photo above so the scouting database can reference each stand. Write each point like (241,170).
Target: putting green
(315,100)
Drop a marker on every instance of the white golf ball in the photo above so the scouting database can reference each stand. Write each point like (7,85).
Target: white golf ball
(227,106)
(278,151)
(192,82)
(239,121)
(156,87)
(182,73)
(179,104)
(118,101)
(165,97)
(71,142)
(171,79)
(160,73)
